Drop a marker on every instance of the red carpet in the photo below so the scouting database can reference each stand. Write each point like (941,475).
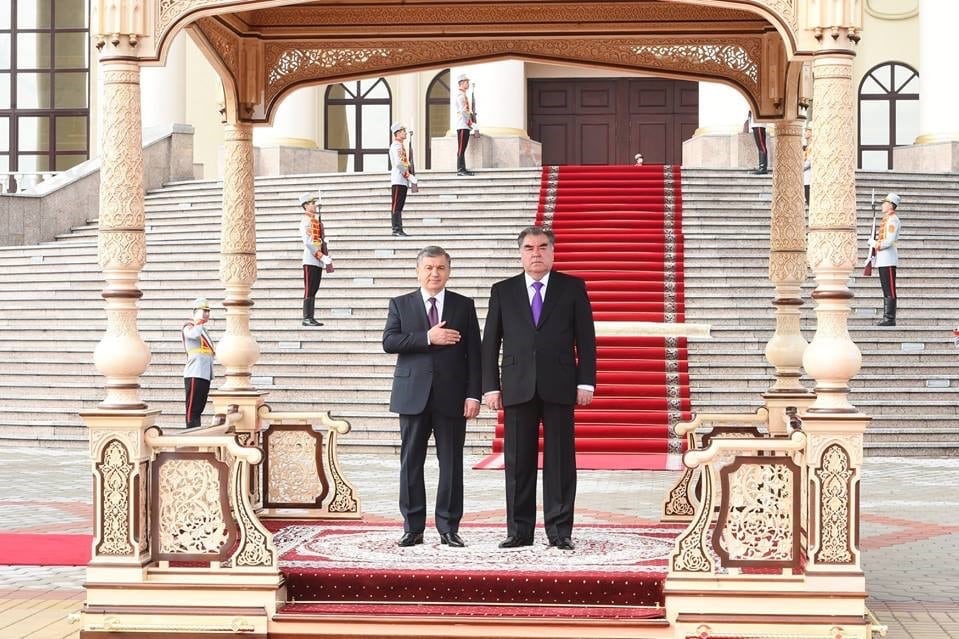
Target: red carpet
(44,550)
(620,229)
(472,610)
(360,563)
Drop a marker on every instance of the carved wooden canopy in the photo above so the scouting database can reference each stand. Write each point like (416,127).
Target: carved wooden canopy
(263,52)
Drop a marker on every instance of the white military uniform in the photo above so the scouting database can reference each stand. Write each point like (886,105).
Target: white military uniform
(310,248)
(886,236)
(463,113)
(199,349)
(399,174)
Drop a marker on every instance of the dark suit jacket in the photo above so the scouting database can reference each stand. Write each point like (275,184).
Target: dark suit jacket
(451,372)
(550,359)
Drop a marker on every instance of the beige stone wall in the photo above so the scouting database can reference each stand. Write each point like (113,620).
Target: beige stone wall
(890,33)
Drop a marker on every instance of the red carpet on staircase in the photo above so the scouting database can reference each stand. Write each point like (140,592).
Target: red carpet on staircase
(620,229)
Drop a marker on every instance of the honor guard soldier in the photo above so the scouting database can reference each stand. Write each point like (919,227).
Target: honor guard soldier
(316,254)
(198,372)
(887,258)
(400,178)
(464,124)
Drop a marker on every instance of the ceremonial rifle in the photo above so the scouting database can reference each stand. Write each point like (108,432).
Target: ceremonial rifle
(414,187)
(474,128)
(867,269)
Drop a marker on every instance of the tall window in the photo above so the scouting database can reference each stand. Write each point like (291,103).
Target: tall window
(358,124)
(44,84)
(437,110)
(888,113)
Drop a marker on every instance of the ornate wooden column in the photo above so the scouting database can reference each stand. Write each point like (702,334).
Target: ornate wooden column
(833,425)
(787,272)
(118,454)
(237,350)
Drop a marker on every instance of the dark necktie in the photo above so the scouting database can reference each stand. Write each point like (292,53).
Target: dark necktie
(536,305)
(433,314)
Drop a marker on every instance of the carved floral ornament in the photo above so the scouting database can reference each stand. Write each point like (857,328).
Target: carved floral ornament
(290,63)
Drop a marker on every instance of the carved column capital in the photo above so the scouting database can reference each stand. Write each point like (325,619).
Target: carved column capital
(836,24)
(117,27)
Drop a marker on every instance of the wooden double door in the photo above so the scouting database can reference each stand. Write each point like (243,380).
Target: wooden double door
(610,120)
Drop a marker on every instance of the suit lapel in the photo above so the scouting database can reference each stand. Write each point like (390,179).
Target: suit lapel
(449,307)
(418,309)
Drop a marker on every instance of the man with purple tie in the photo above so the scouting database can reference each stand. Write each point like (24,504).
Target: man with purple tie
(436,388)
(544,323)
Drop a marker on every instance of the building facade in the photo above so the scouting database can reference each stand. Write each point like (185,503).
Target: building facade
(49,87)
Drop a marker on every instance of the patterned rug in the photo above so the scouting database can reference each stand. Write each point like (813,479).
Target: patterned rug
(612,565)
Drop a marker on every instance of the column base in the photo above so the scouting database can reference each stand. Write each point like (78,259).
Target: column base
(724,151)
(288,160)
(248,402)
(935,157)
(778,402)
(487,152)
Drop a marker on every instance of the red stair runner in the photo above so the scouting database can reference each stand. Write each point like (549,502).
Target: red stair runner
(620,229)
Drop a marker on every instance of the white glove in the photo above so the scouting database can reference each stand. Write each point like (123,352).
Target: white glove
(326,260)
(873,243)
(413,180)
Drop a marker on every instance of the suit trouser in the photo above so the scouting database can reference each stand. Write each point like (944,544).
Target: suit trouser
(520,450)
(450,435)
(196,389)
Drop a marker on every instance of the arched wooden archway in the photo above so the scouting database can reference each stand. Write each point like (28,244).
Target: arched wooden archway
(263,50)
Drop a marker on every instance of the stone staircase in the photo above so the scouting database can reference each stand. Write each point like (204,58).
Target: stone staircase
(908,378)
(51,312)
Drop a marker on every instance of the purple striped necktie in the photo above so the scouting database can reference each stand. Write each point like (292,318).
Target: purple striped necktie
(433,314)
(536,305)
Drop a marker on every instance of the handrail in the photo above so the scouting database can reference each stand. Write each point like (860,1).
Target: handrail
(342,427)
(155,437)
(761,416)
(794,442)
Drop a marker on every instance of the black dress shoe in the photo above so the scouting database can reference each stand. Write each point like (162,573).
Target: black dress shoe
(563,543)
(309,321)
(410,539)
(452,539)
(400,233)
(465,173)
(515,542)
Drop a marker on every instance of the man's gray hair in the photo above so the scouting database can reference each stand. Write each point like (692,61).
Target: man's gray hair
(433,251)
(536,230)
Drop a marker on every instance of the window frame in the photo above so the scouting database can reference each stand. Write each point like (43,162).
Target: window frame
(359,100)
(892,96)
(436,101)
(14,113)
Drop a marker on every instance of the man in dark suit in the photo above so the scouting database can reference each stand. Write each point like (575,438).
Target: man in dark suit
(436,388)
(544,322)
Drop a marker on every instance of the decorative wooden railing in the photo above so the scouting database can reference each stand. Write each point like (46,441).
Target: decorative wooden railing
(301,474)
(200,503)
(761,519)
(681,500)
